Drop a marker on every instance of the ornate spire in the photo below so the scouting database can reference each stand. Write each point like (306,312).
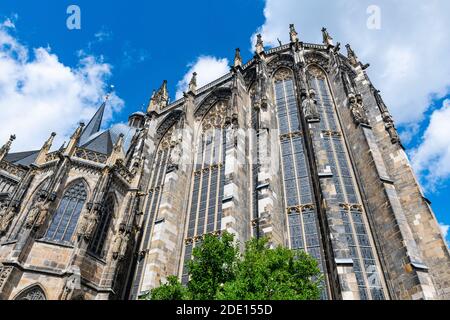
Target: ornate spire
(259,44)
(327,39)
(292,33)
(117,152)
(41,158)
(74,139)
(6,147)
(237,58)
(193,83)
(351,55)
(95,123)
(160,99)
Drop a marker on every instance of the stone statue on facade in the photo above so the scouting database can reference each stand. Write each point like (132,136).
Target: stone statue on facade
(37,215)
(6,216)
(309,107)
(357,109)
(88,224)
(120,244)
(293,33)
(327,39)
(390,127)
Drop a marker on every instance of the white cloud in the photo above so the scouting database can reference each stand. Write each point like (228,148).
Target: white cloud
(431,159)
(208,69)
(408,55)
(39,94)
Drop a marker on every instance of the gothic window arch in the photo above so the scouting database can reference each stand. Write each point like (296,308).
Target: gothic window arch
(32,199)
(33,293)
(160,166)
(208,181)
(354,220)
(65,219)
(107,213)
(301,214)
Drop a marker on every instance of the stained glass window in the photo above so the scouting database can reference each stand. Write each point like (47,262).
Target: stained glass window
(65,220)
(97,244)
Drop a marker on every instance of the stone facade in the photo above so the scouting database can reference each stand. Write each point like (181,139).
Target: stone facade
(296,145)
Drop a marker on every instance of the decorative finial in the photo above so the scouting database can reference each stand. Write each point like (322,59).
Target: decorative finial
(292,33)
(237,58)
(279,42)
(351,55)
(193,83)
(327,39)
(159,99)
(259,44)
(6,147)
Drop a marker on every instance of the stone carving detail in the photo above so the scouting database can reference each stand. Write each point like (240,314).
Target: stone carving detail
(120,244)
(37,215)
(390,127)
(316,72)
(293,35)
(216,117)
(88,223)
(259,44)
(72,286)
(309,107)
(4,275)
(282,75)
(327,39)
(387,118)
(6,216)
(357,109)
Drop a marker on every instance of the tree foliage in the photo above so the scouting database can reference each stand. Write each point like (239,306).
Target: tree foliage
(218,272)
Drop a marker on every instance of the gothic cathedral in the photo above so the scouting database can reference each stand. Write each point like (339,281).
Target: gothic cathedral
(296,145)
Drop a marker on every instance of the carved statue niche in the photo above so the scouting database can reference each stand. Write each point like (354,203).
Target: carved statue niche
(72,287)
(6,216)
(309,107)
(390,127)
(120,244)
(88,224)
(387,118)
(38,214)
(357,109)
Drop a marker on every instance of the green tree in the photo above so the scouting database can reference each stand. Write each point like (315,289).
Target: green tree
(273,274)
(172,290)
(218,272)
(214,263)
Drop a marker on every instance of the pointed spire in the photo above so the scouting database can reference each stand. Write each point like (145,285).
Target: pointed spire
(4,150)
(74,140)
(351,55)
(293,33)
(193,83)
(41,158)
(259,44)
(94,124)
(117,152)
(237,58)
(160,99)
(327,39)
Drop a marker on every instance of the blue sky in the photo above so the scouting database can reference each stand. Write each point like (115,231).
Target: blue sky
(134,45)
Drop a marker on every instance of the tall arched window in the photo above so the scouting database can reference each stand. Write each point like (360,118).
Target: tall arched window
(98,242)
(33,293)
(205,214)
(66,217)
(355,225)
(302,218)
